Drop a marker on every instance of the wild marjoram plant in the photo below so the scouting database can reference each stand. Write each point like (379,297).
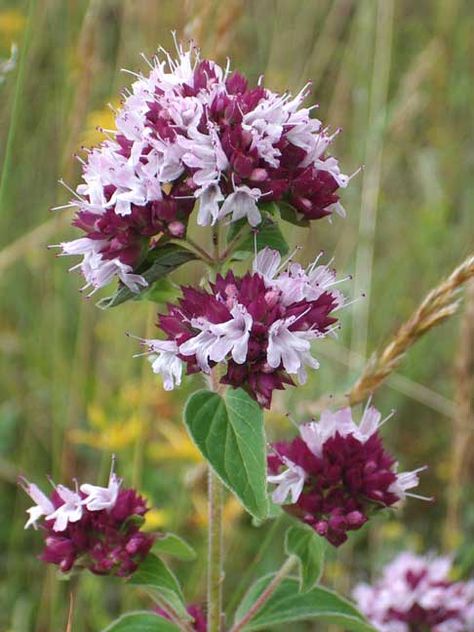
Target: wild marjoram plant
(193,134)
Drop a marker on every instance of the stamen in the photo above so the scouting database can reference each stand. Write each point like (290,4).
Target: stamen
(428,499)
(78,265)
(385,419)
(312,266)
(293,421)
(355,300)
(343,280)
(63,206)
(112,466)
(147,61)
(71,190)
(138,75)
(286,261)
(366,408)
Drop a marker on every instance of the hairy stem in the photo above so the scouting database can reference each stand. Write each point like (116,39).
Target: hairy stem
(266,594)
(215,570)
(215,552)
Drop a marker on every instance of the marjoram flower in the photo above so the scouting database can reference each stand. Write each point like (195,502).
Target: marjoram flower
(92,527)
(336,474)
(261,325)
(191,131)
(415,594)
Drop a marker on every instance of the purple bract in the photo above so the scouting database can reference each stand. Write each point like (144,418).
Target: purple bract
(261,325)
(93,527)
(191,131)
(337,474)
(415,594)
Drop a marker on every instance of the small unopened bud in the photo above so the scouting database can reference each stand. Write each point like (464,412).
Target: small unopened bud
(259,175)
(176,229)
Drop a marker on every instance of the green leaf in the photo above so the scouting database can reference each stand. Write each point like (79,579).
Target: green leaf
(235,228)
(159,582)
(230,435)
(288,604)
(162,291)
(159,264)
(141,622)
(291,215)
(274,511)
(175,546)
(269,207)
(268,234)
(309,548)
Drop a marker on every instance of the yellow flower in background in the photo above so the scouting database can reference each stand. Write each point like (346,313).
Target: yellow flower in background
(116,436)
(231,512)
(103,118)
(12,23)
(334,570)
(131,417)
(176,444)
(391,530)
(156,519)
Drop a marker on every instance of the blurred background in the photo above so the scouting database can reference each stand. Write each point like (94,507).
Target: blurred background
(397,76)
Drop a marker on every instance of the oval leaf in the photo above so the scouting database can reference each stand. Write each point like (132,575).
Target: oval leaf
(175,546)
(159,582)
(162,261)
(230,435)
(141,622)
(309,548)
(288,604)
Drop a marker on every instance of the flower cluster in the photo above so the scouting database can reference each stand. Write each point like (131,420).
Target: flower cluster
(262,325)
(414,594)
(93,527)
(337,473)
(190,132)
(199,622)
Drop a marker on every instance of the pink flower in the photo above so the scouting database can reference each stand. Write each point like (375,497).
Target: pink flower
(337,473)
(249,323)
(190,131)
(43,505)
(415,593)
(97,528)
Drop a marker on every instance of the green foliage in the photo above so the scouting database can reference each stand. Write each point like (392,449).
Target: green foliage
(229,433)
(291,215)
(160,583)
(287,604)
(175,546)
(161,291)
(268,233)
(61,357)
(141,622)
(309,547)
(159,264)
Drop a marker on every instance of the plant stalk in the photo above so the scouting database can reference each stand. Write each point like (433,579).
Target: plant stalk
(215,568)
(215,562)
(266,594)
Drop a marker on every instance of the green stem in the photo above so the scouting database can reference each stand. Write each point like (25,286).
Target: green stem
(215,570)
(238,239)
(266,594)
(215,563)
(195,248)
